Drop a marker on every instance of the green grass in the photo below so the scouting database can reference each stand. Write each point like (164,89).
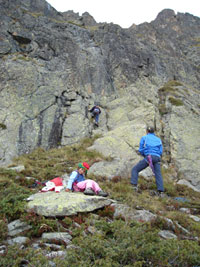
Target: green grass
(35,15)
(169,87)
(174,83)
(175,101)
(46,165)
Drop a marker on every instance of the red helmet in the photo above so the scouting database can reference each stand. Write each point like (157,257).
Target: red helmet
(86,165)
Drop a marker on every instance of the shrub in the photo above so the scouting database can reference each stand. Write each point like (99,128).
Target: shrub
(14,257)
(40,224)
(118,244)
(13,201)
(107,212)
(67,221)
(3,229)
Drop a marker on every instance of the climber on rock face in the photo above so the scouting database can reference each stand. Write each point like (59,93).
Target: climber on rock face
(96,111)
(151,149)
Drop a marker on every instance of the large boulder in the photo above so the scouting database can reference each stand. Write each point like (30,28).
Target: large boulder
(53,204)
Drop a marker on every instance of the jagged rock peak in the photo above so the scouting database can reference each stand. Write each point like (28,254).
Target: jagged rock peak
(166,14)
(84,20)
(41,6)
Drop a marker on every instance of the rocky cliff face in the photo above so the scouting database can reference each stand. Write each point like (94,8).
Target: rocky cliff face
(55,66)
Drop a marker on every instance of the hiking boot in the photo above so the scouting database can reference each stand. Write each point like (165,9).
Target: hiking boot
(101,193)
(161,194)
(135,188)
(89,192)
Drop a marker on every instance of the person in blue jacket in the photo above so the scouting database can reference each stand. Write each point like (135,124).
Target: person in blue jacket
(151,149)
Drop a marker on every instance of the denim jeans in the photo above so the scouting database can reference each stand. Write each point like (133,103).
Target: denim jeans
(143,164)
(96,117)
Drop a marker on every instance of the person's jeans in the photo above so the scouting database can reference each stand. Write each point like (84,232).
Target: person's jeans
(143,164)
(96,116)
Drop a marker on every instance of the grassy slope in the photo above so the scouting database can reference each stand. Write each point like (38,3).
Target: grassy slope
(114,242)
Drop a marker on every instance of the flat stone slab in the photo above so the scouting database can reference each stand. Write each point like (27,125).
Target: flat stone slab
(53,204)
(16,227)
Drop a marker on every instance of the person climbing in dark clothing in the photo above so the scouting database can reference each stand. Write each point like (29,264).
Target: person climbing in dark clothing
(151,149)
(96,111)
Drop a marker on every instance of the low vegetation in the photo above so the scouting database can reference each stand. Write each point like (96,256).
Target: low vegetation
(169,87)
(115,241)
(3,126)
(175,101)
(172,93)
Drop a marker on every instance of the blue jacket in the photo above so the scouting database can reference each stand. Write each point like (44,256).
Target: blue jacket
(150,144)
(75,177)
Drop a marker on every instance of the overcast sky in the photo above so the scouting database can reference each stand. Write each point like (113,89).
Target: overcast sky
(126,12)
